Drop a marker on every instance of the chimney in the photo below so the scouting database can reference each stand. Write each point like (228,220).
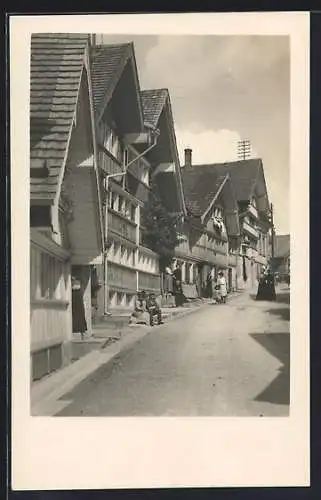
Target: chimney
(188,157)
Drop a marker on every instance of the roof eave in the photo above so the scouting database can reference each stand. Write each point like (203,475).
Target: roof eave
(215,197)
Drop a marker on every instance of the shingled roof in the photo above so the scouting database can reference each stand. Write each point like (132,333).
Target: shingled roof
(282,245)
(56,66)
(153,102)
(244,174)
(108,63)
(200,186)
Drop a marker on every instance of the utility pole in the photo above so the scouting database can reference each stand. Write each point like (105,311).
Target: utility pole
(244,149)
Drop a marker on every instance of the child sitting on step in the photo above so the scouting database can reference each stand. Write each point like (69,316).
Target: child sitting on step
(154,310)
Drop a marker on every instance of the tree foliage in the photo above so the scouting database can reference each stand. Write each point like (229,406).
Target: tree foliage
(160,227)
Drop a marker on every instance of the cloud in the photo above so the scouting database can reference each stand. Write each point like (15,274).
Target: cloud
(194,62)
(224,88)
(208,146)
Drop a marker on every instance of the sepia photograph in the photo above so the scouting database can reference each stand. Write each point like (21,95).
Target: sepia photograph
(159,225)
(160,169)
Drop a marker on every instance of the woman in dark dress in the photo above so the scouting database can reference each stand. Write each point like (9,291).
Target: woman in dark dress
(266,288)
(270,283)
(79,324)
(209,286)
(261,288)
(177,282)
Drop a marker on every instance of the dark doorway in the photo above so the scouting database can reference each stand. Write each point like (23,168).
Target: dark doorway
(230,279)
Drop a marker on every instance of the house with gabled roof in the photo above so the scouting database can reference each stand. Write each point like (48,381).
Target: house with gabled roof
(250,189)
(66,234)
(210,228)
(164,157)
(251,250)
(135,139)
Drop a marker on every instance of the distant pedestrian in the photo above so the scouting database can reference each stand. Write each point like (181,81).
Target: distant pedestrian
(221,281)
(261,293)
(168,285)
(266,288)
(271,295)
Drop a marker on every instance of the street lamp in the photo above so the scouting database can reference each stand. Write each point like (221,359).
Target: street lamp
(154,134)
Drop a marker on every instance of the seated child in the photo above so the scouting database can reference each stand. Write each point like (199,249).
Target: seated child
(154,310)
(140,314)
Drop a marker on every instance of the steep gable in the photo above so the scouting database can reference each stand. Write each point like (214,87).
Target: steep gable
(114,75)
(247,178)
(200,186)
(158,114)
(153,101)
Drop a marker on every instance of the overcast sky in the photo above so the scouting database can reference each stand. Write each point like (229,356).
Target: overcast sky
(222,89)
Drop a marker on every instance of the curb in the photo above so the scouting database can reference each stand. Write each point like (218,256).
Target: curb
(45,394)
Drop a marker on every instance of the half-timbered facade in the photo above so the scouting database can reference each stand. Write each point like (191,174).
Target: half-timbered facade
(212,224)
(250,249)
(209,222)
(254,212)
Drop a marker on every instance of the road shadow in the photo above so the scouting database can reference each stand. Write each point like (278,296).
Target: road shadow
(281,297)
(278,345)
(283,312)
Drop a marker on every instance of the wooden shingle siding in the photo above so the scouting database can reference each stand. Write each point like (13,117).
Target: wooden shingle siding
(153,102)
(57,62)
(80,185)
(107,65)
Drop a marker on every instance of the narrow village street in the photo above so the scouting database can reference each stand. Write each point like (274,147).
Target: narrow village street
(221,360)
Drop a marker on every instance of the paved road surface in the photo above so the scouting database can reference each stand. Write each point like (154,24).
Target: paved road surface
(221,360)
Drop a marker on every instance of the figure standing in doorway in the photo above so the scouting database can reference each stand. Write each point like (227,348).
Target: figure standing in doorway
(79,323)
(178,291)
(209,286)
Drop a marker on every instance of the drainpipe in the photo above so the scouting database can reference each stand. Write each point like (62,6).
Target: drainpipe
(155,134)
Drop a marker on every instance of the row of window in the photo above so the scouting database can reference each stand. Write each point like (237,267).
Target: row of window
(218,212)
(121,299)
(112,143)
(131,257)
(124,155)
(49,277)
(119,204)
(211,241)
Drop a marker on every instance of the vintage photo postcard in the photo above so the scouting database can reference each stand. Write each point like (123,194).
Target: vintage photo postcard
(160,250)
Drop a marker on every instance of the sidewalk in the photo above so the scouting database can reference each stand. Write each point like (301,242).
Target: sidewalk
(46,393)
